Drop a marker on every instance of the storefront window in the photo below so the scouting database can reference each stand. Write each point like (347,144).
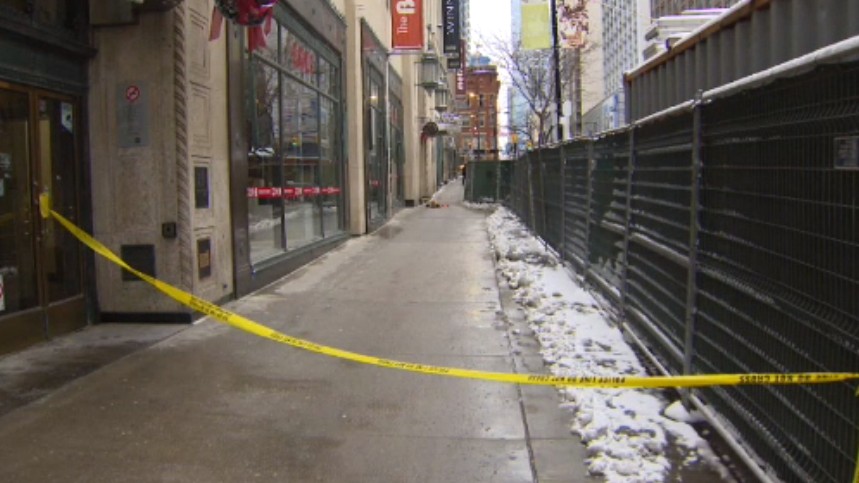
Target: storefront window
(265,203)
(299,59)
(330,177)
(376,166)
(397,151)
(298,199)
(328,78)
(17,231)
(273,41)
(303,210)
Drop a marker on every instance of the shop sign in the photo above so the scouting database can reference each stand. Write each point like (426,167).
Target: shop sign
(450,18)
(407,25)
(460,82)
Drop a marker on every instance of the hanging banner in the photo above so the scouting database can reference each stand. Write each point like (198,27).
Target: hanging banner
(460,74)
(573,25)
(451,25)
(407,25)
(536,32)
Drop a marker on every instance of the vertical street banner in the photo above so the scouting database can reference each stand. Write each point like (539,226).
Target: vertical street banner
(407,25)
(451,25)
(573,24)
(536,31)
(460,74)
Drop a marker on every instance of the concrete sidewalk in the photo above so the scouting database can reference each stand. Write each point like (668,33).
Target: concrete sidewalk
(209,403)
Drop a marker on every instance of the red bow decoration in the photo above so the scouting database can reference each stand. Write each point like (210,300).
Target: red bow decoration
(254,14)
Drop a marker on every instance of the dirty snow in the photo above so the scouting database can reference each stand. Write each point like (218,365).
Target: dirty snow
(627,432)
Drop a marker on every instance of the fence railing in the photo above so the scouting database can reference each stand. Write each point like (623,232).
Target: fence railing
(728,235)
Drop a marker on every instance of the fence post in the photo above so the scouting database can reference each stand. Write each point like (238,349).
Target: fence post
(498,180)
(590,191)
(469,179)
(563,241)
(694,206)
(543,226)
(630,167)
(531,216)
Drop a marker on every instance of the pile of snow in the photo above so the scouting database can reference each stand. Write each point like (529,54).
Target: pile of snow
(483,206)
(627,432)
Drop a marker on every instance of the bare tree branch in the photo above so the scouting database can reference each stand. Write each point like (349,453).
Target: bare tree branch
(531,74)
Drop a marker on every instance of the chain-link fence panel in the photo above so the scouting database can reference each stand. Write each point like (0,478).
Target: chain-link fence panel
(576,207)
(779,279)
(608,209)
(659,234)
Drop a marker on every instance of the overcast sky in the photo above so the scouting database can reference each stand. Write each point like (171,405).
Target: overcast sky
(491,19)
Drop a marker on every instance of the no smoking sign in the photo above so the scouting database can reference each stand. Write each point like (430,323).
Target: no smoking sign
(132,118)
(132,93)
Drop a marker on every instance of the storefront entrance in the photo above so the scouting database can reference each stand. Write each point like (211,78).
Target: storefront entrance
(41,289)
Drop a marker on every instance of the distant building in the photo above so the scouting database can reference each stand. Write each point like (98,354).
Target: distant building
(667,30)
(479,114)
(478,60)
(465,18)
(614,45)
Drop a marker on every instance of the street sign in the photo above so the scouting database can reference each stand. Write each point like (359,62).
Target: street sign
(132,116)
(847,152)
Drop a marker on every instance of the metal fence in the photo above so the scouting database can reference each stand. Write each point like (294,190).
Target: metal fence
(728,236)
(488,181)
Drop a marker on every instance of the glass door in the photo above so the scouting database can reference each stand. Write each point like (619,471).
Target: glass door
(41,289)
(21,324)
(57,169)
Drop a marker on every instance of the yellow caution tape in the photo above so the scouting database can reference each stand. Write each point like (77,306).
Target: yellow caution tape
(260,330)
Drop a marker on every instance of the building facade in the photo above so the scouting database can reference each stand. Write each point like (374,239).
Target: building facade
(479,140)
(210,165)
(615,44)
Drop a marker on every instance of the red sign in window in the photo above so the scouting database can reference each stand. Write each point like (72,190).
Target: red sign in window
(267,193)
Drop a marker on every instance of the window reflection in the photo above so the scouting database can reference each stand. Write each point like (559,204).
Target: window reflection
(329,169)
(301,120)
(377,170)
(265,205)
(17,233)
